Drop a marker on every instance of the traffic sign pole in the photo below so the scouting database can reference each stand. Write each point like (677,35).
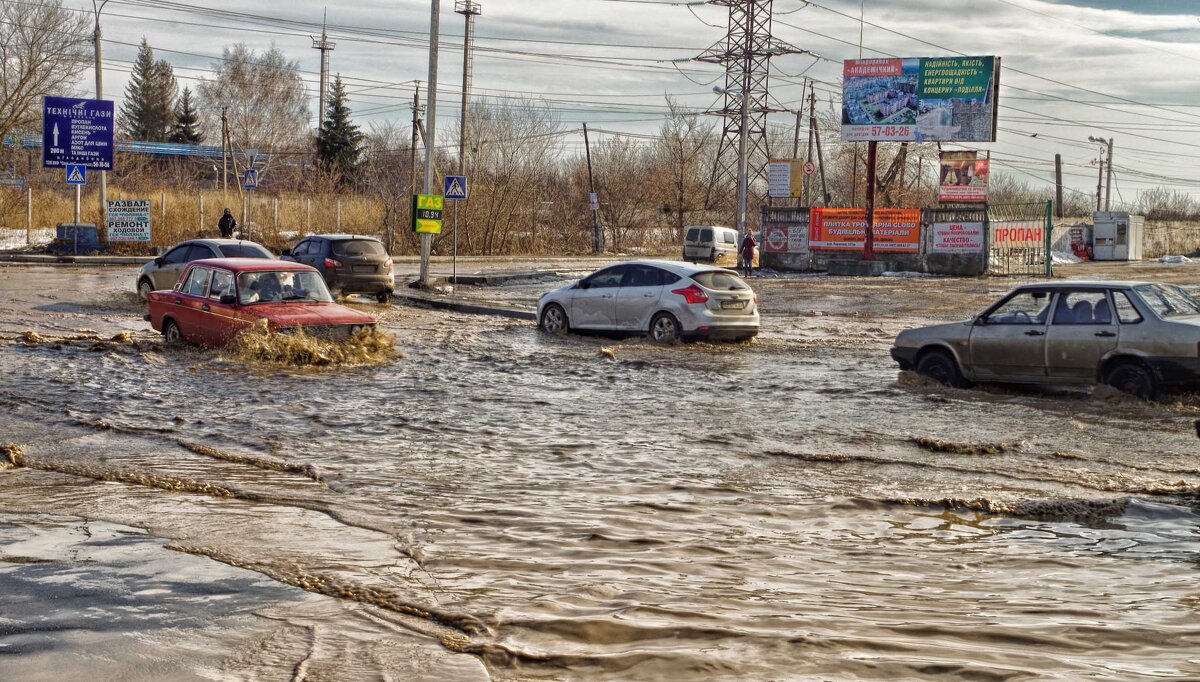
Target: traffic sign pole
(454,188)
(454,256)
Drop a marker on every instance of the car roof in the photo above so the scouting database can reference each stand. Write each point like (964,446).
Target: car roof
(678,267)
(1076,284)
(252,264)
(219,242)
(341,237)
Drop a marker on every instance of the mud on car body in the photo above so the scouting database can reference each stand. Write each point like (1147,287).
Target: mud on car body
(1138,337)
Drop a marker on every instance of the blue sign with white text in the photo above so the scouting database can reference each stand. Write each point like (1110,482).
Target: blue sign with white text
(77,132)
(456,187)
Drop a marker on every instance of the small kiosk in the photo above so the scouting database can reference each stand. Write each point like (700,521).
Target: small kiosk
(1117,236)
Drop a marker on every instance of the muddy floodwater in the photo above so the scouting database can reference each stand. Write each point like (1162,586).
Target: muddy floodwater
(493,503)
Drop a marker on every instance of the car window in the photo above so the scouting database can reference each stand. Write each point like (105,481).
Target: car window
(222,283)
(197,282)
(1082,307)
(198,251)
(1126,312)
(176,255)
(281,285)
(706,235)
(693,234)
(607,278)
(245,250)
(643,276)
(358,247)
(1168,301)
(730,238)
(720,280)
(1027,307)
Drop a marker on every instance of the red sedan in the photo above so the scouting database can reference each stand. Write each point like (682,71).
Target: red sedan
(216,298)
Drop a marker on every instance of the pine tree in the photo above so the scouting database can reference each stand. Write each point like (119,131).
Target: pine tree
(149,107)
(186,129)
(339,143)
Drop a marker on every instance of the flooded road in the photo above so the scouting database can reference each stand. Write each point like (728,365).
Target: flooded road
(496,503)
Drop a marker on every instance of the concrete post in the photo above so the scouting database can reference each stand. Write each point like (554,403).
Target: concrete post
(28,216)
(339,214)
(275,204)
(201,226)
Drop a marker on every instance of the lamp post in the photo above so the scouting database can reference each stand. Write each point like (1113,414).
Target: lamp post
(1108,183)
(97,8)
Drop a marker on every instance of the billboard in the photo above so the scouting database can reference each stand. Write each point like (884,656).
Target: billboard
(897,230)
(922,99)
(957,238)
(964,177)
(785,178)
(129,220)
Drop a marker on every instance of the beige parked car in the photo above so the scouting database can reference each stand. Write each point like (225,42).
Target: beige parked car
(1138,337)
(162,272)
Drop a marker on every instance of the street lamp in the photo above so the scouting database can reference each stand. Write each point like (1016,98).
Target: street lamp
(1108,185)
(97,8)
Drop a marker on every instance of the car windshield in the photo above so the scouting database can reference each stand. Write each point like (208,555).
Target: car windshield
(244,251)
(358,247)
(1168,301)
(720,280)
(281,285)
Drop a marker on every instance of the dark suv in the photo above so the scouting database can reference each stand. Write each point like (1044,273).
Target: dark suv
(351,264)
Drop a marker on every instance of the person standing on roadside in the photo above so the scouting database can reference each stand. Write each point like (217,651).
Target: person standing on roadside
(227,225)
(747,253)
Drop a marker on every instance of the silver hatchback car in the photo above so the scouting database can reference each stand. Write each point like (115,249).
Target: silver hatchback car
(669,301)
(162,272)
(1138,337)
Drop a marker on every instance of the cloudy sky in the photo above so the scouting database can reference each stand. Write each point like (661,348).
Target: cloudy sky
(1125,69)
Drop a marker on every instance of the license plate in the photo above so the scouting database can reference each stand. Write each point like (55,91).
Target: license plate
(733,305)
(364,268)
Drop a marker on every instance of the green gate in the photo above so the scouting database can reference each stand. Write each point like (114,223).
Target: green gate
(1019,238)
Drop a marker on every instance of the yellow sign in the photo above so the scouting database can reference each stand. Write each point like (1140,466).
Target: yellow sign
(427,213)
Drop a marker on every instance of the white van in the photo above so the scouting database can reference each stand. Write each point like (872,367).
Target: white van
(710,243)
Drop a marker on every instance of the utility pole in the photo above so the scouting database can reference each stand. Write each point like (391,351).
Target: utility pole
(812,103)
(224,152)
(469,9)
(431,117)
(1108,181)
(745,52)
(325,46)
(412,152)
(812,122)
(1108,189)
(1058,186)
(597,236)
(102,194)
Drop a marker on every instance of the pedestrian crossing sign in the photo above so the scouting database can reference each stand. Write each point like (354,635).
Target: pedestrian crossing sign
(76,174)
(456,187)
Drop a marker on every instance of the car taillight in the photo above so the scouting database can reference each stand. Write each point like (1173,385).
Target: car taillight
(692,294)
(331,263)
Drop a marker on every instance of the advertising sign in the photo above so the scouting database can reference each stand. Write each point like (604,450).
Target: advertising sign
(775,239)
(897,230)
(949,99)
(957,238)
(964,177)
(1019,234)
(129,220)
(427,213)
(784,178)
(77,131)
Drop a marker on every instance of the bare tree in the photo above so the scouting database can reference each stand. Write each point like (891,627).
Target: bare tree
(265,97)
(43,49)
(684,151)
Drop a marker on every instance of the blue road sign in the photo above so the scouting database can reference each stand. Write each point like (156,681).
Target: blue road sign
(76,174)
(77,131)
(456,187)
(250,179)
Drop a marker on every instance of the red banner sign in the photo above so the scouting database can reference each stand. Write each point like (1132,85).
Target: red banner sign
(897,230)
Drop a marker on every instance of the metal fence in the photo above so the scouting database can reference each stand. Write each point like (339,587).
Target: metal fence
(1019,238)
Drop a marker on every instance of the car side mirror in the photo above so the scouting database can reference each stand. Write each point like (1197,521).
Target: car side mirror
(228,299)
(286,253)
(158,261)
(178,286)
(583,284)
(981,321)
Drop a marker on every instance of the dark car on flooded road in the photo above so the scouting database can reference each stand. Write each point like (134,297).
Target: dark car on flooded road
(1138,337)
(164,271)
(350,264)
(217,298)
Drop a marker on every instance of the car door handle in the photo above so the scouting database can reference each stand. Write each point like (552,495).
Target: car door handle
(179,301)
(649,295)
(205,307)
(1106,333)
(1034,332)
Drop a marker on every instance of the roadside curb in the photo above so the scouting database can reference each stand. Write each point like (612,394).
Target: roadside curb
(493,278)
(463,307)
(40,259)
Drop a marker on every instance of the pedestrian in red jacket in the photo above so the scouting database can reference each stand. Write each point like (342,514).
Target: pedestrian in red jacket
(747,252)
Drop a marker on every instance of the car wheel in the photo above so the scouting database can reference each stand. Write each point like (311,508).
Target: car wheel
(554,320)
(1134,379)
(383,297)
(941,367)
(171,333)
(664,328)
(144,288)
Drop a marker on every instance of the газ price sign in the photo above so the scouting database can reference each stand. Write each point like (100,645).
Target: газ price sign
(427,213)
